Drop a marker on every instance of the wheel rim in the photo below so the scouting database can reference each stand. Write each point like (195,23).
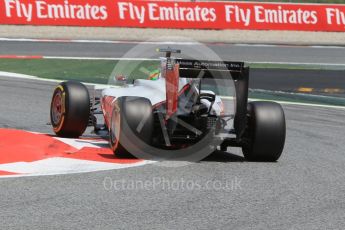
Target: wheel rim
(57,108)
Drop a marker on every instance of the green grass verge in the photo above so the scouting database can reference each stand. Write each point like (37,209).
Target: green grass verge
(99,71)
(93,71)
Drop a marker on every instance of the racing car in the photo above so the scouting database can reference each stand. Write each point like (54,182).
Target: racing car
(172,113)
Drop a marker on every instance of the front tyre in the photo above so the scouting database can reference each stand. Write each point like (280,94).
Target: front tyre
(70,109)
(265,133)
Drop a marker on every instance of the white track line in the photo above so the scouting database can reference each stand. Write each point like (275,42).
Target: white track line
(61,165)
(291,103)
(101,58)
(166,43)
(34,78)
(302,104)
(99,41)
(157,59)
(291,46)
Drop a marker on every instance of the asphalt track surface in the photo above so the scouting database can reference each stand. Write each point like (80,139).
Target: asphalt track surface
(304,190)
(291,80)
(249,53)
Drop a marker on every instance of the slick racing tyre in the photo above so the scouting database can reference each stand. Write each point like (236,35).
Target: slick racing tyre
(265,133)
(70,109)
(131,125)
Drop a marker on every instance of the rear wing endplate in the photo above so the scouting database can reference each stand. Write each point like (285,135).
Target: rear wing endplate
(222,70)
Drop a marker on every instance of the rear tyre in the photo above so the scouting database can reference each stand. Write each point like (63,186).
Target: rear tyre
(265,133)
(70,109)
(131,125)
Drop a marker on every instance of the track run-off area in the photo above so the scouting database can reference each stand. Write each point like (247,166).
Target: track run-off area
(305,189)
(265,53)
(287,68)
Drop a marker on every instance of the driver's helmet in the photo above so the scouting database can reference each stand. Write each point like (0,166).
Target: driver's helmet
(154,74)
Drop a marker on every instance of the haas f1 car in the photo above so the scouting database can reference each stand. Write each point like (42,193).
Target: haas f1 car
(173,113)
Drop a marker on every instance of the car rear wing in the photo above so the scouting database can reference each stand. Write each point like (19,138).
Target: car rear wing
(222,70)
(208,69)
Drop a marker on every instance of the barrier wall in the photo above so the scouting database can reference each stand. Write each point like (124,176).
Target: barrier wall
(175,14)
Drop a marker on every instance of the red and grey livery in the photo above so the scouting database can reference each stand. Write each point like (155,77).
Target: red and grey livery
(174,112)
